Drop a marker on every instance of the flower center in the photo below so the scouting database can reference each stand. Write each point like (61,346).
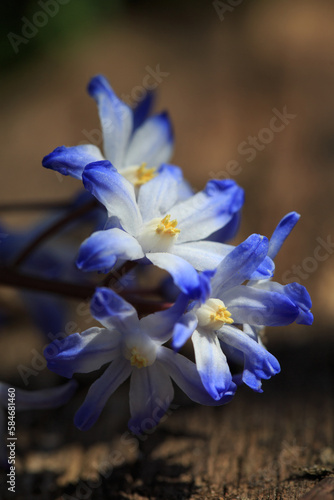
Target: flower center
(158,235)
(168,227)
(139,175)
(137,359)
(140,350)
(144,174)
(213,314)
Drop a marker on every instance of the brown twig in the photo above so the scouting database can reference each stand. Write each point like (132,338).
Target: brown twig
(14,278)
(54,228)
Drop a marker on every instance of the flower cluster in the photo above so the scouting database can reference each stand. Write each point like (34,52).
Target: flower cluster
(219,295)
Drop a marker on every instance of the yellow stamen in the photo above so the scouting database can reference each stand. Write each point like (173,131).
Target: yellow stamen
(138,359)
(222,314)
(167,226)
(144,175)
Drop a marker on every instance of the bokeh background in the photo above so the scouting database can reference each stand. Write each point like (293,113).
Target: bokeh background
(225,67)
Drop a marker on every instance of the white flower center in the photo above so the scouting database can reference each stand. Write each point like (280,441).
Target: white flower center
(139,174)
(158,235)
(140,353)
(213,314)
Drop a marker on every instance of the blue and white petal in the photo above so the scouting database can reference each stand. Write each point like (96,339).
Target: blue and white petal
(72,161)
(151,393)
(185,375)
(258,362)
(159,326)
(227,232)
(297,294)
(116,119)
(184,275)
(208,210)
(82,352)
(152,143)
(100,391)
(158,195)
(183,329)
(259,307)
(143,110)
(114,192)
(281,232)
(240,264)
(113,311)
(211,363)
(102,249)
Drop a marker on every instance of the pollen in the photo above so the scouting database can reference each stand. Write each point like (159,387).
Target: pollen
(222,314)
(144,174)
(167,227)
(213,314)
(138,359)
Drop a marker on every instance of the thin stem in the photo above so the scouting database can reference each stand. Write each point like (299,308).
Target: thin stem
(54,228)
(13,278)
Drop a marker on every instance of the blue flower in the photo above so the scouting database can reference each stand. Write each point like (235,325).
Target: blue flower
(160,227)
(135,144)
(227,322)
(134,348)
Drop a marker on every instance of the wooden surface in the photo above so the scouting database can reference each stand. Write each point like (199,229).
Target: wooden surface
(278,445)
(224,80)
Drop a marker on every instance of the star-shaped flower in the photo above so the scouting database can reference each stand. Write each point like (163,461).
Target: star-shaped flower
(133,348)
(225,324)
(134,143)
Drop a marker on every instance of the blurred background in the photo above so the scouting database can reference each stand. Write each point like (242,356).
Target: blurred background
(249,88)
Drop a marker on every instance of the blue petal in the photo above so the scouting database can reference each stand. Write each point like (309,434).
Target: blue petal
(184,275)
(101,250)
(265,271)
(72,161)
(113,311)
(256,306)
(41,399)
(114,192)
(151,393)
(259,363)
(300,296)
(297,294)
(82,352)
(152,143)
(183,330)
(185,375)
(143,109)
(240,264)
(281,232)
(211,363)
(159,326)
(116,119)
(207,211)
(100,391)
(161,193)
